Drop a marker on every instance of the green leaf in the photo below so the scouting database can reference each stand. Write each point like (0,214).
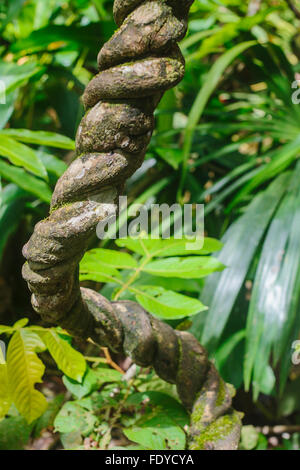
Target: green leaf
(187,268)
(52,164)
(274,301)
(110,258)
(47,419)
(211,81)
(20,323)
(172,156)
(24,370)
(249,437)
(56,37)
(167,304)
(290,400)
(105,374)
(92,380)
(282,158)
(11,212)
(91,269)
(159,433)
(49,139)
(267,382)
(6,329)
(22,155)
(13,10)
(5,398)
(161,424)
(71,440)
(14,75)
(68,360)
(24,180)
(7,109)
(73,418)
(82,388)
(14,433)
(170,247)
(221,289)
(101,265)
(161,402)
(171,283)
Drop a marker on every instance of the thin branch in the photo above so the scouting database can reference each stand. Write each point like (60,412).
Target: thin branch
(110,361)
(278,429)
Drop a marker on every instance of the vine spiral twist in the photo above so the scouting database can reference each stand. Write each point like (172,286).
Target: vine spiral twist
(136,66)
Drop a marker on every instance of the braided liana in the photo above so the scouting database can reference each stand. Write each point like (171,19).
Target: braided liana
(136,66)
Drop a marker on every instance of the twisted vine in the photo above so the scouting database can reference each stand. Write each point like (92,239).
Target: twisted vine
(136,66)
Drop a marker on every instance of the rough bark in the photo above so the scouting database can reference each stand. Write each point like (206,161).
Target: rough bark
(139,63)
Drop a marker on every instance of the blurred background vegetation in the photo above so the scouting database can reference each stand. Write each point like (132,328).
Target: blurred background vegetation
(228,136)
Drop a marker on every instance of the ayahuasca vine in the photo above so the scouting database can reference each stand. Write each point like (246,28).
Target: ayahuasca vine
(136,66)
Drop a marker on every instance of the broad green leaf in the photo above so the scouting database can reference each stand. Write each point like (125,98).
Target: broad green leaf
(240,244)
(249,437)
(14,75)
(170,247)
(47,419)
(6,329)
(11,212)
(5,398)
(105,374)
(92,380)
(7,109)
(171,283)
(82,388)
(73,418)
(189,267)
(167,304)
(162,402)
(290,400)
(52,164)
(20,323)
(24,180)
(172,156)
(25,370)
(91,269)
(49,139)
(161,426)
(110,258)
(59,37)
(68,360)
(158,433)
(22,155)
(71,440)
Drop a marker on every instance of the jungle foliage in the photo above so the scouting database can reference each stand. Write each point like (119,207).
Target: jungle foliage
(228,137)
